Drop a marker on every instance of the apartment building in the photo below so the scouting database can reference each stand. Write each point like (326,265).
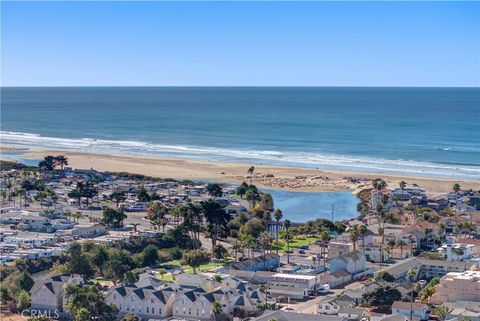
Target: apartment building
(455,286)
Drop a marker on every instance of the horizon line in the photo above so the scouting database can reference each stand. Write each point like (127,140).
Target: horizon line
(231,86)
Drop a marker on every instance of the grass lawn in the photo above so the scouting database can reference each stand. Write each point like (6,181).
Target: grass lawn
(202,268)
(295,243)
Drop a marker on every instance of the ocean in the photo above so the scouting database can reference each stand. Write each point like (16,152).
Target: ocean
(412,131)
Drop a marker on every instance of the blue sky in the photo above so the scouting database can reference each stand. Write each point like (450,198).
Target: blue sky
(240,43)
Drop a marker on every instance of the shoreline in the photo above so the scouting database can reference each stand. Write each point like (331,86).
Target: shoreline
(294,179)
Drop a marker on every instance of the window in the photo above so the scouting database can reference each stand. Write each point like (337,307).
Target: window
(147,310)
(153,310)
(114,297)
(152,301)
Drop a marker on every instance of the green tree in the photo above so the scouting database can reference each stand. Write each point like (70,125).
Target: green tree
(119,263)
(131,317)
(220,252)
(143,195)
(242,189)
(267,202)
(117,197)
(441,311)
(216,309)
(82,314)
(381,297)
(149,255)
(77,261)
(47,164)
(456,188)
(253,227)
(214,190)
(217,219)
(385,276)
(130,277)
(196,258)
(113,218)
(89,298)
(61,161)
(23,300)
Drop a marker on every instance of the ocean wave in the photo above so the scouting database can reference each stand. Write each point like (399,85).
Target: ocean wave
(274,157)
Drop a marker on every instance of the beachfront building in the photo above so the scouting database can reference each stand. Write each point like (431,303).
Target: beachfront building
(454,287)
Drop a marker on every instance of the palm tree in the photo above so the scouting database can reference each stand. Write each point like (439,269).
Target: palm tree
(401,244)
(456,188)
(216,309)
(61,161)
(390,246)
(441,312)
(251,172)
(278,216)
(135,226)
(236,247)
(287,224)
(362,231)
(402,186)
(324,239)
(412,274)
(379,184)
(354,237)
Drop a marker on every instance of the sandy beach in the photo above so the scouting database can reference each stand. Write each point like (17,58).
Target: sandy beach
(266,176)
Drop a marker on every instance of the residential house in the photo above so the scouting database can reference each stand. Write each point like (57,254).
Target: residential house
(259,263)
(420,310)
(353,263)
(49,295)
(280,315)
(351,313)
(331,305)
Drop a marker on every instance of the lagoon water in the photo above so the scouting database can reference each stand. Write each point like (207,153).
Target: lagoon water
(415,131)
(305,206)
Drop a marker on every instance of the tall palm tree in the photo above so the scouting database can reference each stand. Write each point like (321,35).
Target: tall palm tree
(353,232)
(401,244)
(135,225)
(217,309)
(324,240)
(251,172)
(61,161)
(362,231)
(390,246)
(287,224)
(402,185)
(441,312)
(278,216)
(237,246)
(412,274)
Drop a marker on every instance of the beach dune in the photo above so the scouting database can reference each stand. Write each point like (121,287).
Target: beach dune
(266,176)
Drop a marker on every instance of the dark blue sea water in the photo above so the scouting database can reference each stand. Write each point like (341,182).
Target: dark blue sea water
(415,131)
